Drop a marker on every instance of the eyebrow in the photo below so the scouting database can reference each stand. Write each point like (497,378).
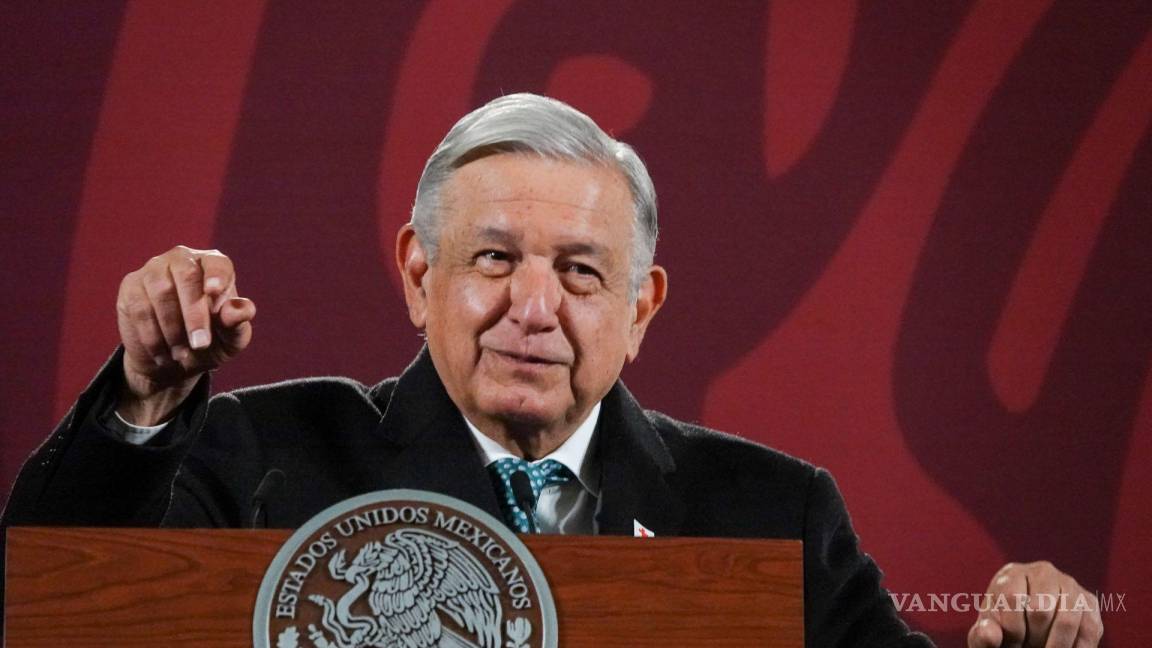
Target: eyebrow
(582,249)
(574,248)
(497,235)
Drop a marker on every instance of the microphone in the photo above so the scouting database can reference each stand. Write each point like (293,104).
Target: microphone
(272,480)
(525,498)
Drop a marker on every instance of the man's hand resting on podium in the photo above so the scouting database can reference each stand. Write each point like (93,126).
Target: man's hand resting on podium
(1048,609)
(179,316)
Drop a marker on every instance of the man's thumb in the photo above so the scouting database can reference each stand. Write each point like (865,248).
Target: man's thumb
(235,317)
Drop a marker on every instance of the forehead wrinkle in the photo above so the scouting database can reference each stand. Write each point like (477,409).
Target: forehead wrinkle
(562,203)
(497,234)
(571,248)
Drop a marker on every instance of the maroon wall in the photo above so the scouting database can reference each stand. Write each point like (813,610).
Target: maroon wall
(907,240)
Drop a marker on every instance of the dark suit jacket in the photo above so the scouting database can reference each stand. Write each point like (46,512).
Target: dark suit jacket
(336,438)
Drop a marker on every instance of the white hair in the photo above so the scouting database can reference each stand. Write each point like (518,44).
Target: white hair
(529,123)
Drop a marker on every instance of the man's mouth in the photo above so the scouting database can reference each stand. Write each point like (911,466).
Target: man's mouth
(527,358)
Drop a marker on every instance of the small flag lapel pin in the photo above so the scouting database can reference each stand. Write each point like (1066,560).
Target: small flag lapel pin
(641,531)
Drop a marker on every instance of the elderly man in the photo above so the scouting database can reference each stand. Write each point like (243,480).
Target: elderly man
(528,264)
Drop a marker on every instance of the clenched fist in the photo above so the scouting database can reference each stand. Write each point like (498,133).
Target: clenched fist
(1035,605)
(179,316)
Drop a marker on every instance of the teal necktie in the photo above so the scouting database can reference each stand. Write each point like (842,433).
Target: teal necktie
(540,475)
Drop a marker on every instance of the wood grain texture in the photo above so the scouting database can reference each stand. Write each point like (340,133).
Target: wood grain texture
(147,587)
(674,591)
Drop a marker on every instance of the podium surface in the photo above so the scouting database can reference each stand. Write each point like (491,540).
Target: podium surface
(147,587)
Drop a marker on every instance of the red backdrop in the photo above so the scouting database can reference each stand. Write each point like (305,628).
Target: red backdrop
(908,241)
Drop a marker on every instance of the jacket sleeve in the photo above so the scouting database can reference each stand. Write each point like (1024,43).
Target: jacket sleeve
(844,603)
(84,475)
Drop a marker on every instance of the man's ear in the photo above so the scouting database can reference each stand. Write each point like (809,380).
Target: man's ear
(412,262)
(653,291)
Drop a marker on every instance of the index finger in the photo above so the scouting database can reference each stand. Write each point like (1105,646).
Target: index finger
(219,274)
(188,276)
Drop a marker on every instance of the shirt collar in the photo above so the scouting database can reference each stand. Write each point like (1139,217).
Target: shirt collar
(573,453)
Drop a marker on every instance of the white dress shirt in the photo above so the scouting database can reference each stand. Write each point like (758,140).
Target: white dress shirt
(568,508)
(135,434)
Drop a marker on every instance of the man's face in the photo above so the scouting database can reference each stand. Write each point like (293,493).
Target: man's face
(526,307)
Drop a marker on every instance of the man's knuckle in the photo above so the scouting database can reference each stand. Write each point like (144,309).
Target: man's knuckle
(129,281)
(186,272)
(218,260)
(1039,617)
(172,331)
(168,313)
(1005,622)
(151,340)
(979,633)
(1065,626)
(140,312)
(1012,631)
(1069,584)
(156,283)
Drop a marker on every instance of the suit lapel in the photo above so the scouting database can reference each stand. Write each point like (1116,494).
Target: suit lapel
(635,465)
(432,448)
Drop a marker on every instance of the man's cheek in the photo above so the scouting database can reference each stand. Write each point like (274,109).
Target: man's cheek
(478,299)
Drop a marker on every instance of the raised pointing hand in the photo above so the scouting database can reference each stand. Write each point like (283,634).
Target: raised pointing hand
(179,316)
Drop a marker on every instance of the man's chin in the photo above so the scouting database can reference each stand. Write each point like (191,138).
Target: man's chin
(527,413)
(526,418)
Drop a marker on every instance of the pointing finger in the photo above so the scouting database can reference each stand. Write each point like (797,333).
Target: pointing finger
(188,277)
(219,275)
(161,294)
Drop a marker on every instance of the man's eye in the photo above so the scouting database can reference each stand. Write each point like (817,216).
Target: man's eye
(493,255)
(581,271)
(493,262)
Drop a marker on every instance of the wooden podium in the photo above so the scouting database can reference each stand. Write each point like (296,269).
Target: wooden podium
(82,587)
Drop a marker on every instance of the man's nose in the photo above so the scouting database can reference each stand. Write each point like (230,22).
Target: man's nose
(535,296)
